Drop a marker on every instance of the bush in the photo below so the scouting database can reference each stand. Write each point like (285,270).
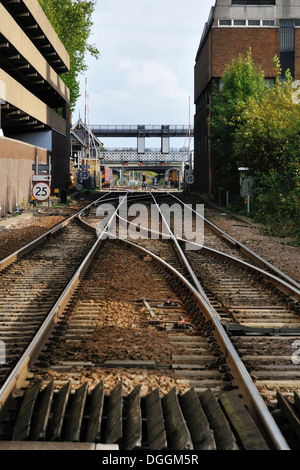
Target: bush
(278,204)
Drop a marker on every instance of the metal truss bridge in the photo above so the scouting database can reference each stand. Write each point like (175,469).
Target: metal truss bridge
(152,158)
(161,159)
(141,132)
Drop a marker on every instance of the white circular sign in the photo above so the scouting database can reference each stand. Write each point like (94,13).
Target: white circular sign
(41,191)
(84,174)
(79,187)
(189,178)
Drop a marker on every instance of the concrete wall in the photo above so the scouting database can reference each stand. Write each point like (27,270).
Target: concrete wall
(16,160)
(22,99)
(35,109)
(18,39)
(288,9)
(37,12)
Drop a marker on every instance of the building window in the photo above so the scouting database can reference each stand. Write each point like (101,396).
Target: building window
(268,22)
(239,22)
(287,35)
(253,22)
(253,2)
(287,46)
(248,23)
(225,22)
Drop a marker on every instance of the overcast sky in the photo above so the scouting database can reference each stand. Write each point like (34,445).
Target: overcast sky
(145,74)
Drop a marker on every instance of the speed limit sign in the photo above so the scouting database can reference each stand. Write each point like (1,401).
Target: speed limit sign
(41,191)
(84,174)
(189,177)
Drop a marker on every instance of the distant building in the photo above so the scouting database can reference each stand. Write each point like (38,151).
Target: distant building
(35,116)
(271,28)
(85,149)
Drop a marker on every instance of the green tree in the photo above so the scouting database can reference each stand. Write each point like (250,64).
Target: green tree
(72,21)
(268,139)
(241,80)
(268,143)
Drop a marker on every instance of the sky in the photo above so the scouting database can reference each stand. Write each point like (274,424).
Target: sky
(145,73)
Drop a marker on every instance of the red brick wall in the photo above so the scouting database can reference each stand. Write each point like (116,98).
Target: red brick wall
(228,43)
(297,53)
(202,69)
(16,159)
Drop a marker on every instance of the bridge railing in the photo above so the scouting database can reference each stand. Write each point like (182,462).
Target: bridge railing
(141,130)
(147,150)
(134,157)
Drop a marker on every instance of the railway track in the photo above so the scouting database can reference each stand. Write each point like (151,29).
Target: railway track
(136,362)
(245,292)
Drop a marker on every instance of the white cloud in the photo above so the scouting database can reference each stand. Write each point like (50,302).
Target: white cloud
(125,63)
(145,73)
(156,79)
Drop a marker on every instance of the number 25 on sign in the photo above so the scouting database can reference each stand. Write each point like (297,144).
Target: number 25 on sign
(41,191)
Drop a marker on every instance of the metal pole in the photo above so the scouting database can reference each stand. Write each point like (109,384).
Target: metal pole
(49,172)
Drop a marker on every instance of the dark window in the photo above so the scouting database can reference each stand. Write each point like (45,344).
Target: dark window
(253,22)
(287,35)
(225,22)
(268,22)
(253,2)
(239,22)
(287,46)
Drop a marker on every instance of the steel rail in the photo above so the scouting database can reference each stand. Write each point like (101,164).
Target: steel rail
(181,254)
(21,369)
(144,195)
(251,254)
(281,284)
(254,398)
(271,430)
(38,241)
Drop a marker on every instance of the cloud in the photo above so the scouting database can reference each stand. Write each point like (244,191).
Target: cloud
(145,74)
(157,79)
(125,63)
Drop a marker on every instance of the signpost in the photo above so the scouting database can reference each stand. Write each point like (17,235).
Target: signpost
(39,178)
(189,177)
(41,191)
(84,175)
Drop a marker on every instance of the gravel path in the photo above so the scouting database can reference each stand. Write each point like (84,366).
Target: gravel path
(275,250)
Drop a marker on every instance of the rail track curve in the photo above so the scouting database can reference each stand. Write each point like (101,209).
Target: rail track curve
(213,379)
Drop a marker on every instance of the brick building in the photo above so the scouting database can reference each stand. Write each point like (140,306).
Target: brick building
(35,121)
(271,28)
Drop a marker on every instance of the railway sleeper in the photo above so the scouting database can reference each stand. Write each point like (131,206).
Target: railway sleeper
(242,330)
(287,414)
(192,421)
